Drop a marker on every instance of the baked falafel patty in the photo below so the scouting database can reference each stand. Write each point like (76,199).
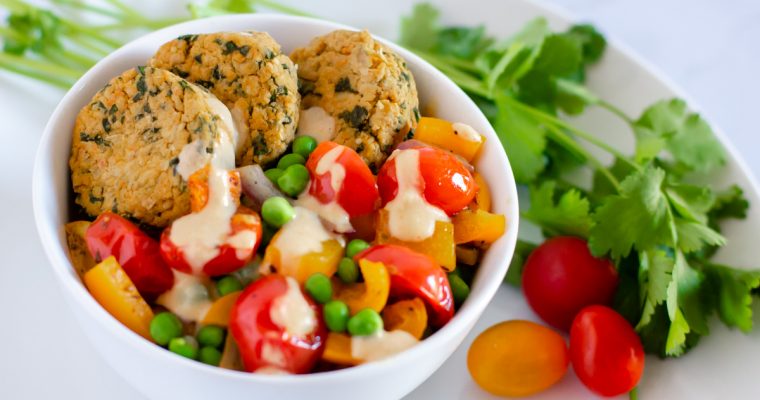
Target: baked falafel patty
(125,152)
(364,86)
(249,74)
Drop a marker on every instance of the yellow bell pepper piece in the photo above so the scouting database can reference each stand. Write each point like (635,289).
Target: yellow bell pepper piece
(406,315)
(372,293)
(441,133)
(478,226)
(325,261)
(80,255)
(483,197)
(219,313)
(440,246)
(112,288)
(338,349)
(231,355)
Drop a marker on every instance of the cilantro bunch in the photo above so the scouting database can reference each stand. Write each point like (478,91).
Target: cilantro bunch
(643,211)
(50,43)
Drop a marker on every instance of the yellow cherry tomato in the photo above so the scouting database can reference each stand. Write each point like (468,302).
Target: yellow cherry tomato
(517,358)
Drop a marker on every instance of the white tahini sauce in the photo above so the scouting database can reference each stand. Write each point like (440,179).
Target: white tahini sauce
(466,132)
(381,345)
(200,234)
(292,312)
(331,212)
(188,298)
(410,217)
(317,123)
(301,235)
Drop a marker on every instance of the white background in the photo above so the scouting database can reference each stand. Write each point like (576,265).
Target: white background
(708,47)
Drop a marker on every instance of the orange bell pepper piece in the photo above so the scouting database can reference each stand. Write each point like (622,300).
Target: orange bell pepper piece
(325,261)
(219,312)
(79,254)
(440,246)
(372,293)
(112,288)
(338,349)
(441,133)
(483,197)
(197,185)
(478,226)
(406,315)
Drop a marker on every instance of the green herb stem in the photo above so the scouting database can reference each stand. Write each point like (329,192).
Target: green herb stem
(125,8)
(39,75)
(39,66)
(634,393)
(462,79)
(615,110)
(79,5)
(276,6)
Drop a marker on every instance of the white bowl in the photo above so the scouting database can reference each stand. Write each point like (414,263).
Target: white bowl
(161,374)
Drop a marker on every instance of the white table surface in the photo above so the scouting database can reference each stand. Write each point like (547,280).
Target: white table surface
(708,47)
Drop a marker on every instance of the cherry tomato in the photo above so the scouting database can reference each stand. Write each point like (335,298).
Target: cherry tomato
(137,253)
(561,277)
(230,258)
(358,193)
(517,358)
(264,343)
(605,351)
(446,183)
(415,275)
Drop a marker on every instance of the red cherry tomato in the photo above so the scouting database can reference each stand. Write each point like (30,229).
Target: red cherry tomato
(358,193)
(415,275)
(561,277)
(446,183)
(229,258)
(262,342)
(137,253)
(605,351)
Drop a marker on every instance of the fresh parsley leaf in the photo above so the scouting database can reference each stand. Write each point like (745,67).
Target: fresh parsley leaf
(522,139)
(420,30)
(462,42)
(591,40)
(638,217)
(686,309)
(668,125)
(732,290)
(572,97)
(690,201)
(560,55)
(729,203)
(693,236)
(569,215)
(655,271)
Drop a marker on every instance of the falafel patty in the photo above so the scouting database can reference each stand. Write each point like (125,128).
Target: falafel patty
(364,86)
(125,152)
(249,74)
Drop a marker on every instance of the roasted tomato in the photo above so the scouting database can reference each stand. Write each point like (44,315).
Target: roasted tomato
(357,193)
(276,326)
(446,183)
(137,253)
(239,248)
(415,275)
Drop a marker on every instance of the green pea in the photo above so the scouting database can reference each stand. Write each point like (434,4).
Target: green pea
(364,323)
(210,355)
(348,272)
(319,287)
(164,327)
(185,346)
(294,180)
(335,314)
(304,145)
(274,174)
(459,288)
(290,159)
(227,285)
(211,335)
(355,247)
(276,211)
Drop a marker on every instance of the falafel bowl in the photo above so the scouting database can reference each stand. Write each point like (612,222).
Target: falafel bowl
(283,214)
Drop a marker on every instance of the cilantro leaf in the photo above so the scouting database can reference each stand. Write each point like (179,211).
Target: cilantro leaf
(638,217)
(730,203)
(654,278)
(693,236)
(514,273)
(732,288)
(690,201)
(591,40)
(668,125)
(560,55)
(420,29)
(686,309)
(523,140)
(567,216)
(461,42)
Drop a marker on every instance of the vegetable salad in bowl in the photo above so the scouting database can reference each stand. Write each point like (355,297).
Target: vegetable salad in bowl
(275,214)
